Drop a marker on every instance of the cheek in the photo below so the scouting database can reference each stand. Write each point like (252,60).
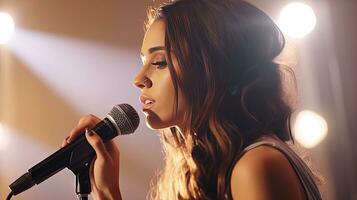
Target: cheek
(164,91)
(163,114)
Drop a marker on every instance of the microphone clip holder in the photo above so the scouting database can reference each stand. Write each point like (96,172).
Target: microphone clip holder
(83,184)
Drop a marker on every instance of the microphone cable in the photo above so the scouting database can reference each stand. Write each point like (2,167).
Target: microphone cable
(9,196)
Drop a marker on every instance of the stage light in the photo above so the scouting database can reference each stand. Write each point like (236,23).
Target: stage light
(4,137)
(297,19)
(310,128)
(90,60)
(7,27)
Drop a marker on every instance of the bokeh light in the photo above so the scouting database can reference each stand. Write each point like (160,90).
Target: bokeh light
(310,128)
(4,137)
(7,27)
(297,20)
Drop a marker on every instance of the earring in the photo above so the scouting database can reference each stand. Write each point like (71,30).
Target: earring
(233,90)
(195,138)
(196,151)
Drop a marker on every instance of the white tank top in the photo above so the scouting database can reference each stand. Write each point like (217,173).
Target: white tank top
(302,170)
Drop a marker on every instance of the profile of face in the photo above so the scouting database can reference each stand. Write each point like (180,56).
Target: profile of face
(155,82)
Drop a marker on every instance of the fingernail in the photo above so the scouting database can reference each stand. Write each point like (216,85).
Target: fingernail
(89,132)
(68,139)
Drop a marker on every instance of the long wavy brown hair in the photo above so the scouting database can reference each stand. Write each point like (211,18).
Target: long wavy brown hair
(233,88)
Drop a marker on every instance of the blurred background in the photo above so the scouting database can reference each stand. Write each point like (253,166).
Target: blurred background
(66,59)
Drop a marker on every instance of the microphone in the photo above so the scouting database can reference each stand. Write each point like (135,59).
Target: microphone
(121,120)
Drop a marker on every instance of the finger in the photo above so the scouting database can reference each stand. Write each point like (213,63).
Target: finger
(92,178)
(96,142)
(91,171)
(88,121)
(113,150)
(65,142)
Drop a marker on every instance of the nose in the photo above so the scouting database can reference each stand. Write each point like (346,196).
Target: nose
(141,81)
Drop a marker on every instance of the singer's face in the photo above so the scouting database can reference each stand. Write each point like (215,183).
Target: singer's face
(155,82)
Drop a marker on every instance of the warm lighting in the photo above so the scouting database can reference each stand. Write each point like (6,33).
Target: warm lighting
(297,19)
(4,138)
(310,128)
(7,27)
(30,46)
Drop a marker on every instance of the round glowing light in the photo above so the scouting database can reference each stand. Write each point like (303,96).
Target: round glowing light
(297,19)
(4,137)
(310,128)
(7,27)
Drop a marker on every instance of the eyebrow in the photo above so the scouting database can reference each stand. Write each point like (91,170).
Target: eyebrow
(153,49)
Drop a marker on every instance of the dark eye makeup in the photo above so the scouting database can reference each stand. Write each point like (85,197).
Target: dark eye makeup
(160,64)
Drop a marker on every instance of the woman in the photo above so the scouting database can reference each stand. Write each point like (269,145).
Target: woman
(210,86)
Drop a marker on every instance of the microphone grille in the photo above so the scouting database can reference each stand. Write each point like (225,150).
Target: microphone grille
(125,117)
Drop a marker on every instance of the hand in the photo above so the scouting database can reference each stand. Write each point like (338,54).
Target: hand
(104,171)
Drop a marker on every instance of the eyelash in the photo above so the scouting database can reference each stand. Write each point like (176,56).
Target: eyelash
(160,64)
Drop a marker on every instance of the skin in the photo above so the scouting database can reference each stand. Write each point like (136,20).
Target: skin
(105,186)
(256,176)
(264,173)
(154,80)
(158,86)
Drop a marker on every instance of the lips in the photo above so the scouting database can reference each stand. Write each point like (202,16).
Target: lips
(146,101)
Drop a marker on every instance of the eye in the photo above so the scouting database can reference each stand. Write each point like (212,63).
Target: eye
(160,64)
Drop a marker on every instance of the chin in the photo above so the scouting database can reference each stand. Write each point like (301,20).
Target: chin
(154,122)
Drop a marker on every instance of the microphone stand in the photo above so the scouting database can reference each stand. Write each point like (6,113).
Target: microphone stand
(83,185)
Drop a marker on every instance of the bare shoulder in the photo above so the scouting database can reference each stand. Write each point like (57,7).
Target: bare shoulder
(264,173)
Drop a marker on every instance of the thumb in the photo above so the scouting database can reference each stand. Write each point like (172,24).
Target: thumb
(97,143)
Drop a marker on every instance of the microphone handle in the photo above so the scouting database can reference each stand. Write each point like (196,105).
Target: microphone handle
(73,156)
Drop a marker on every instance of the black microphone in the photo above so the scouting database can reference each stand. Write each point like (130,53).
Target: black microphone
(121,120)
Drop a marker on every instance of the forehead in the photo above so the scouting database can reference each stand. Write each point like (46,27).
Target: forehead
(154,36)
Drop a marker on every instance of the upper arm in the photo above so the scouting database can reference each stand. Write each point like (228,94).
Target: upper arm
(264,173)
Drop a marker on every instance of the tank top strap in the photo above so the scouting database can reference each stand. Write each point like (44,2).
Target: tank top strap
(303,172)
